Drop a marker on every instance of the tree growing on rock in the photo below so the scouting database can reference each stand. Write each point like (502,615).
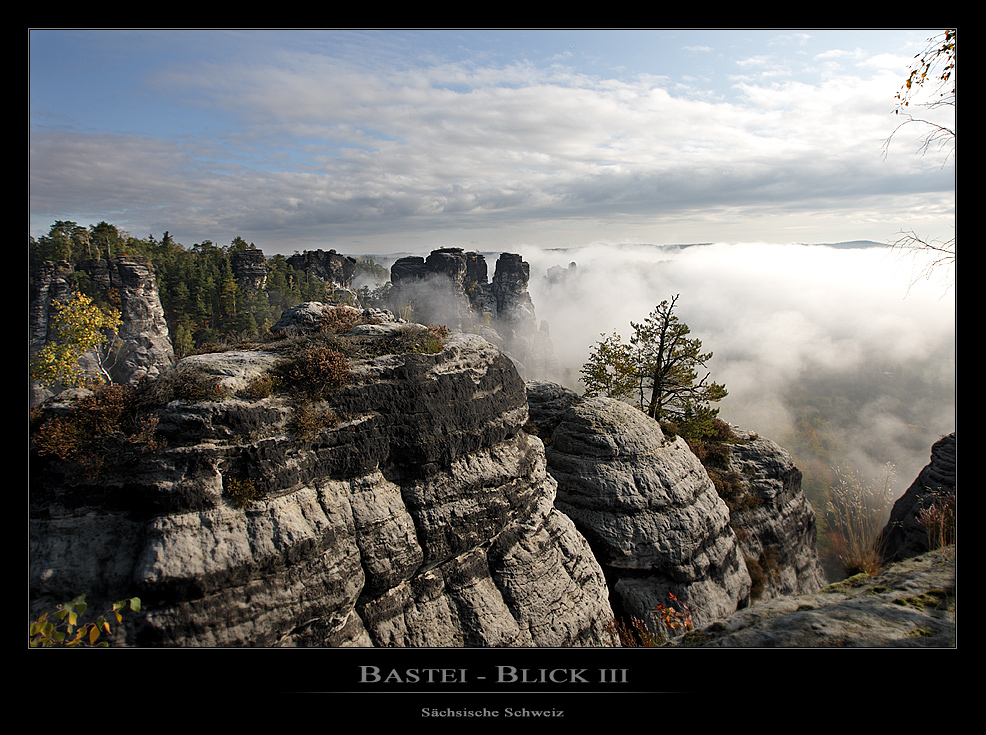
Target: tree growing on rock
(79,326)
(658,372)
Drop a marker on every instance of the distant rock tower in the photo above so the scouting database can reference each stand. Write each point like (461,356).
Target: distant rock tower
(451,287)
(145,348)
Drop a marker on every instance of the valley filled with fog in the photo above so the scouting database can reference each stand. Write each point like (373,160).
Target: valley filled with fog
(841,354)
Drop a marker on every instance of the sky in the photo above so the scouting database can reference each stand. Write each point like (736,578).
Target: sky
(382,141)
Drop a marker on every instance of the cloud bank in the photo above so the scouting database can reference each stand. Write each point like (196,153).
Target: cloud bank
(366,141)
(789,325)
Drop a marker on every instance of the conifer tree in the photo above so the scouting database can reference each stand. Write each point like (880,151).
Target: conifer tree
(658,371)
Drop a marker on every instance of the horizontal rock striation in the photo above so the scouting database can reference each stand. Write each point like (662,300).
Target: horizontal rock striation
(910,604)
(451,287)
(419,514)
(776,523)
(142,345)
(655,518)
(330,266)
(648,509)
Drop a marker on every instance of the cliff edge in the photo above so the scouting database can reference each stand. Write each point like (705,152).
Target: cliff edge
(396,502)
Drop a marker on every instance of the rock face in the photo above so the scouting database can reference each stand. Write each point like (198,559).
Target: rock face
(654,518)
(451,287)
(648,509)
(250,270)
(910,604)
(776,526)
(51,285)
(144,348)
(904,535)
(418,514)
(330,266)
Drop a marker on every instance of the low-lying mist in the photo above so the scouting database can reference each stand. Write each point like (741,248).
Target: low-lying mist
(834,352)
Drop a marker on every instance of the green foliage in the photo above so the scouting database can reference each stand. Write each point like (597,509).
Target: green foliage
(63,627)
(202,300)
(657,372)
(262,386)
(369,268)
(416,338)
(377,297)
(77,326)
(611,370)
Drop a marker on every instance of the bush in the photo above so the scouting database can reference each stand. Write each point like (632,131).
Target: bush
(730,486)
(68,631)
(190,385)
(415,338)
(100,424)
(261,386)
(316,371)
(307,420)
(668,619)
(240,492)
(340,320)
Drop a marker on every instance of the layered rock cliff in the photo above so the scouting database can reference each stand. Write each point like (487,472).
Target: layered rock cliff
(404,507)
(909,604)
(773,520)
(656,520)
(330,266)
(452,287)
(143,344)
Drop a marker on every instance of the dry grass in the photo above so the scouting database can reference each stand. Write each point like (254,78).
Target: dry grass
(856,515)
(938,519)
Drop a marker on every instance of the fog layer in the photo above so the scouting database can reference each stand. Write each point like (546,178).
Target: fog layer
(813,342)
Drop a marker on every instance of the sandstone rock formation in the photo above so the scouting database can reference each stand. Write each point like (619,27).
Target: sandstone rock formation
(654,518)
(330,266)
(250,270)
(144,346)
(910,604)
(775,524)
(451,287)
(416,512)
(648,509)
(905,535)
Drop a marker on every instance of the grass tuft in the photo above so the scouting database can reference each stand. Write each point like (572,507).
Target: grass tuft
(856,514)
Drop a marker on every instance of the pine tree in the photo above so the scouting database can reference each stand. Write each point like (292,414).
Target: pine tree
(658,371)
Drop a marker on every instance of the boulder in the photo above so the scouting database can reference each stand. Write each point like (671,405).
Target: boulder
(648,509)
(905,535)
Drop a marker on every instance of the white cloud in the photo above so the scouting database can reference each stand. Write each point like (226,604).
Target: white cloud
(299,137)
